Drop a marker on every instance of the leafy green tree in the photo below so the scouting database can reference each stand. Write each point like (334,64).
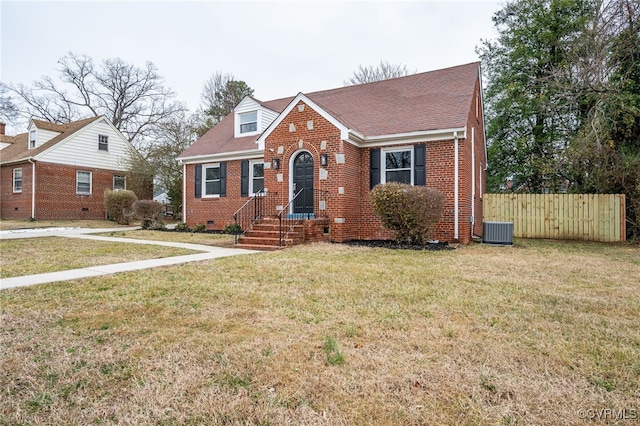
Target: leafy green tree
(530,118)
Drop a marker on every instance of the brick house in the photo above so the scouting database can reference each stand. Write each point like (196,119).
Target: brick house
(60,171)
(335,145)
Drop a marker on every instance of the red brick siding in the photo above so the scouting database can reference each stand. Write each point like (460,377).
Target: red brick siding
(15,205)
(56,196)
(220,210)
(354,205)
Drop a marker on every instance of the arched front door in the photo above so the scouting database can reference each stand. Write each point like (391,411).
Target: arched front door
(303,178)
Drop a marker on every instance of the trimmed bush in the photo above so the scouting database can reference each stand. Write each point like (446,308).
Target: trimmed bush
(234,229)
(199,227)
(150,213)
(119,206)
(410,212)
(182,227)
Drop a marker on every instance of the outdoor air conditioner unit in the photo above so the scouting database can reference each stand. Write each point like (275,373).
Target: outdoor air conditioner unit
(497,233)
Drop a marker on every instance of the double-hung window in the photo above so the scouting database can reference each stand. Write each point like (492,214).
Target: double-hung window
(103,143)
(256,181)
(17,180)
(32,139)
(119,183)
(211,181)
(397,165)
(83,182)
(249,122)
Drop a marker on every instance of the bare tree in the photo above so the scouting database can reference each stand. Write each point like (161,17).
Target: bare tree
(383,71)
(221,93)
(134,99)
(8,110)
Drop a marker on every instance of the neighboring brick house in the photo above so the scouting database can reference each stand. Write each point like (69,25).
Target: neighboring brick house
(423,129)
(59,171)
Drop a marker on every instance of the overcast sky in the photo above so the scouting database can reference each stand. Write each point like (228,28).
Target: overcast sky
(277,48)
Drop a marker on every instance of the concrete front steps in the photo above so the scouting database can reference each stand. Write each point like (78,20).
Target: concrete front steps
(265,235)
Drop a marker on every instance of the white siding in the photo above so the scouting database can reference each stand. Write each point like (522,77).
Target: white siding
(81,149)
(3,145)
(246,105)
(268,117)
(44,136)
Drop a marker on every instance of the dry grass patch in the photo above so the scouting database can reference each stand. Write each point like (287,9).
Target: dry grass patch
(218,240)
(328,334)
(28,224)
(50,254)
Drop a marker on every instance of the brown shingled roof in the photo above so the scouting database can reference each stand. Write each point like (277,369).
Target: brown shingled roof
(426,101)
(19,150)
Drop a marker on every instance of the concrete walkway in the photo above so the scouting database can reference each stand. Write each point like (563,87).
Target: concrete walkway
(208,252)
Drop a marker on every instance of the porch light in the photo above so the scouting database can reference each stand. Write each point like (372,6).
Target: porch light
(324,159)
(276,163)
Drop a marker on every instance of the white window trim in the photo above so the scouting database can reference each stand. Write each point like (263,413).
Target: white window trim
(204,181)
(16,191)
(114,182)
(100,143)
(33,142)
(237,123)
(383,161)
(251,164)
(90,182)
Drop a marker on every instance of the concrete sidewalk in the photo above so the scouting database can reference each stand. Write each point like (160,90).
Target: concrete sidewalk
(209,252)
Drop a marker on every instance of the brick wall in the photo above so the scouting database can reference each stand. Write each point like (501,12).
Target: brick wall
(345,180)
(56,196)
(15,205)
(215,212)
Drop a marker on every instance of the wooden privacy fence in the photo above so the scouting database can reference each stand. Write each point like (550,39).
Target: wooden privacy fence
(593,217)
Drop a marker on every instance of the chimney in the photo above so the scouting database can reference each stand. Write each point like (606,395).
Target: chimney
(2,127)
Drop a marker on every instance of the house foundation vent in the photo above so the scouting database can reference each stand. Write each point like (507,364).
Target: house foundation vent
(497,233)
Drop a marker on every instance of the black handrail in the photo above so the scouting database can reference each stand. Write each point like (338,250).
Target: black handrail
(257,207)
(285,221)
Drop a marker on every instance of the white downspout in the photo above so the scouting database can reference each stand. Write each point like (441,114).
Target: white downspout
(33,188)
(455,189)
(473,180)
(184,193)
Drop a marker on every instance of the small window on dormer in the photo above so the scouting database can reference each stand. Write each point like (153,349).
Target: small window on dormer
(32,139)
(249,122)
(103,143)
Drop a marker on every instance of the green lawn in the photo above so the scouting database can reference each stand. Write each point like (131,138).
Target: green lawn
(329,334)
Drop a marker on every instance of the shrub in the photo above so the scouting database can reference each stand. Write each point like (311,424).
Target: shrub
(410,212)
(234,228)
(182,227)
(150,213)
(199,228)
(119,205)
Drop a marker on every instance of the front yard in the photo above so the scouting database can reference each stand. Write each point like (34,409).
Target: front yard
(540,333)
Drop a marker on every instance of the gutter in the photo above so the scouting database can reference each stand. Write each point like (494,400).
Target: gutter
(184,193)
(455,189)
(33,187)
(473,180)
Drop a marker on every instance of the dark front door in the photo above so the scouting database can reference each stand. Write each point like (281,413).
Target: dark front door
(303,178)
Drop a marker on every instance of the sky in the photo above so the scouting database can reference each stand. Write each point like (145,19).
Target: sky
(279,48)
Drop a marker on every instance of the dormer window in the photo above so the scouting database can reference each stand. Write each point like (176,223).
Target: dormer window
(32,139)
(249,122)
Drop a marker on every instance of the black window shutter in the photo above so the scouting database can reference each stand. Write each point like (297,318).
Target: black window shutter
(198,181)
(244,178)
(223,179)
(419,169)
(374,167)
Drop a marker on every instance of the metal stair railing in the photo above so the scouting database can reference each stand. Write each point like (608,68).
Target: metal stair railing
(286,221)
(258,206)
